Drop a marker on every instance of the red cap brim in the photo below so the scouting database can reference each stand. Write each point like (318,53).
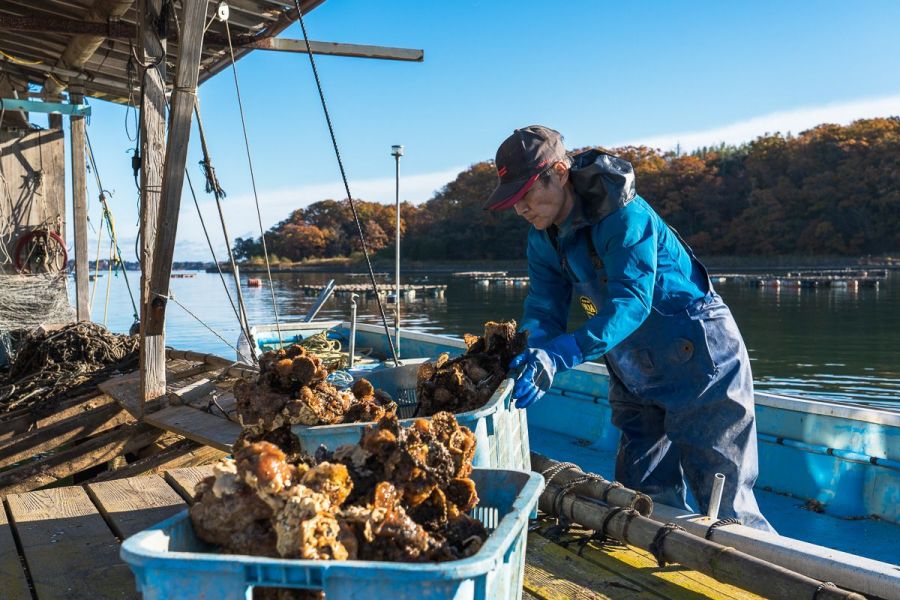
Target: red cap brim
(512,200)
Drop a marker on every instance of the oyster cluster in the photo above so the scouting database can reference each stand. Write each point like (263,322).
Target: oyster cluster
(400,494)
(467,382)
(292,390)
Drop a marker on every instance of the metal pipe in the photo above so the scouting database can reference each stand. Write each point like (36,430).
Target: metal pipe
(592,486)
(715,497)
(676,545)
(353,298)
(397,152)
(851,571)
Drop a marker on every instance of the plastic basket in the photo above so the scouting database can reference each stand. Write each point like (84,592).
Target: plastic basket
(501,430)
(169,561)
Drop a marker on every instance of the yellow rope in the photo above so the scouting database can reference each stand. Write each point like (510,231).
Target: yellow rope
(20,61)
(328,351)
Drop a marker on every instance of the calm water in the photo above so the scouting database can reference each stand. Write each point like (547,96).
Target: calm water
(836,344)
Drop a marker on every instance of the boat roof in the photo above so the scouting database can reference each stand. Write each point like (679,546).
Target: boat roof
(45,56)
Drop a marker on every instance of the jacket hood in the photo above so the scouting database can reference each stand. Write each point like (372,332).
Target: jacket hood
(605,183)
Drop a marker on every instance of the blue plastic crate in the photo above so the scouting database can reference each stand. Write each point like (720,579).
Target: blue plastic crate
(169,561)
(501,429)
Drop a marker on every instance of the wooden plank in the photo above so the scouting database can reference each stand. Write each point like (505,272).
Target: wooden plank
(197,392)
(191,369)
(196,425)
(13,582)
(133,504)
(80,426)
(126,391)
(73,460)
(79,212)
(674,582)
(153,149)
(186,453)
(185,480)
(69,549)
(338,49)
(552,573)
(28,420)
(187,69)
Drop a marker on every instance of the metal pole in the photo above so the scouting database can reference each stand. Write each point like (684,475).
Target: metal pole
(397,152)
(350,362)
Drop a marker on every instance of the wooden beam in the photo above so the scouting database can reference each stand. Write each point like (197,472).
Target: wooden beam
(48,439)
(93,452)
(69,549)
(25,419)
(336,49)
(12,573)
(187,73)
(240,41)
(153,149)
(79,212)
(136,503)
(185,453)
(81,47)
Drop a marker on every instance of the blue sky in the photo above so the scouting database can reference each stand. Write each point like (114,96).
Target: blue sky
(604,73)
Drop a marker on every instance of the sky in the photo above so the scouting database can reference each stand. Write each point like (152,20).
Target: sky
(660,73)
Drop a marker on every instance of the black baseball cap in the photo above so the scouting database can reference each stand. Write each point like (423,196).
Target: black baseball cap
(521,158)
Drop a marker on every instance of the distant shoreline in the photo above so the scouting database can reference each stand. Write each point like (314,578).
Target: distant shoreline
(715,264)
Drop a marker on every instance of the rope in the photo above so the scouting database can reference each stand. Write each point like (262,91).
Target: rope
(720,523)
(337,153)
(243,320)
(822,586)
(656,546)
(107,215)
(171,297)
(211,250)
(262,233)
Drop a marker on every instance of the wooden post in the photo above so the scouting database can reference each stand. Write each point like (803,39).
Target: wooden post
(184,95)
(153,150)
(79,212)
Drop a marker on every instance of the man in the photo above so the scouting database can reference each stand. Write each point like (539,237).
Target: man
(680,388)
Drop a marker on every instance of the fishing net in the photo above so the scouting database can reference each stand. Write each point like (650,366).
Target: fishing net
(56,364)
(27,301)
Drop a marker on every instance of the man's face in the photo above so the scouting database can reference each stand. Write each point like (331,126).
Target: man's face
(542,204)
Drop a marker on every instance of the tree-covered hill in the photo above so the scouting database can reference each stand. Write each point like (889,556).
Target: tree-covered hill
(832,190)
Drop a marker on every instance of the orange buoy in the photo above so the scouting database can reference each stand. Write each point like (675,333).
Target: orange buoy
(254,282)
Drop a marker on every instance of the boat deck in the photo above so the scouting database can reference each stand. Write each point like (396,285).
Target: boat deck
(63,543)
(203,399)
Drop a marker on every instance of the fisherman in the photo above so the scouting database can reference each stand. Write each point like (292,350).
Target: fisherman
(680,385)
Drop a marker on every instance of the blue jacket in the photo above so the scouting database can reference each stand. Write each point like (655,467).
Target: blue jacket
(646,266)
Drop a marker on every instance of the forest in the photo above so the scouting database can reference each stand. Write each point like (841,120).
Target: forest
(831,190)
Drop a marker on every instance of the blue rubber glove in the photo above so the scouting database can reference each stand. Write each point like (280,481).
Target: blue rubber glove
(536,367)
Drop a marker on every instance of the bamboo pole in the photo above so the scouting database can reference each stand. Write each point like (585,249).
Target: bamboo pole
(591,486)
(678,546)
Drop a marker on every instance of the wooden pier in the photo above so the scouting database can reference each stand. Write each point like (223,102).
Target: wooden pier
(63,543)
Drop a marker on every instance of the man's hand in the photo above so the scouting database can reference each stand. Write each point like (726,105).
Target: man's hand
(536,368)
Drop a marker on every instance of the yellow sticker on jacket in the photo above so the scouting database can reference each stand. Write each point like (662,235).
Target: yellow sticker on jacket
(588,306)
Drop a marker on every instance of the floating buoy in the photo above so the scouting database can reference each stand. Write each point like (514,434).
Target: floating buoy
(254,282)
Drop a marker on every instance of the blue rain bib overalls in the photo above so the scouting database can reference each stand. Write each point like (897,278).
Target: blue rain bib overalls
(681,389)
(681,393)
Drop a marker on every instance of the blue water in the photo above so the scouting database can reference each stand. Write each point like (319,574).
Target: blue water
(836,344)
